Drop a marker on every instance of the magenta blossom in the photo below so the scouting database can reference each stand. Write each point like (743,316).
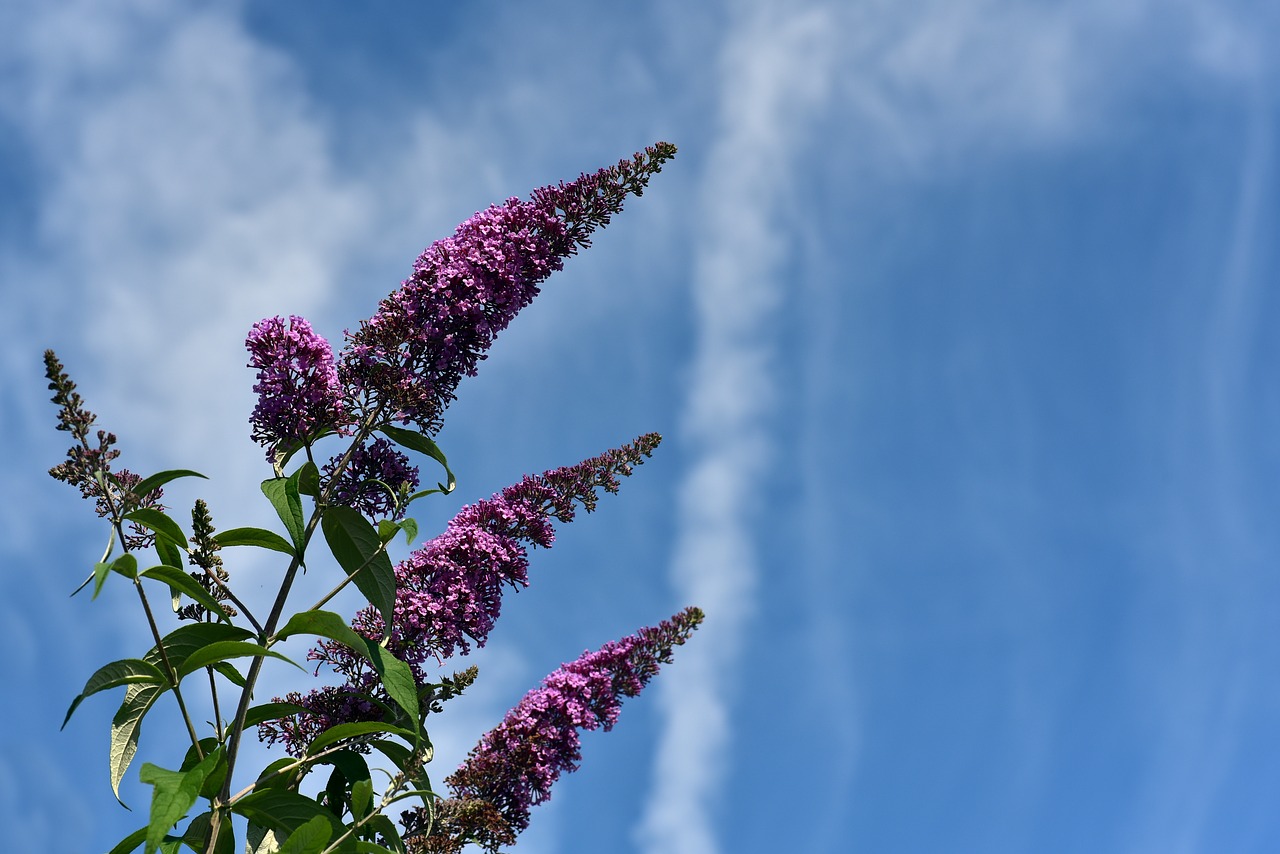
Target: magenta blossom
(516,763)
(298,390)
(449,591)
(407,360)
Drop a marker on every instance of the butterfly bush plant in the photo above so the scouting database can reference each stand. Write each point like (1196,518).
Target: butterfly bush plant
(379,401)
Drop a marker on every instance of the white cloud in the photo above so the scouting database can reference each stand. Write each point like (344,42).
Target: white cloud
(773,74)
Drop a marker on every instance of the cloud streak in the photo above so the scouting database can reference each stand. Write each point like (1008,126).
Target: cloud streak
(773,74)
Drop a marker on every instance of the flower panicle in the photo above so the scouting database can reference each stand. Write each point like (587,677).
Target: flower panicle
(409,358)
(449,591)
(299,394)
(516,763)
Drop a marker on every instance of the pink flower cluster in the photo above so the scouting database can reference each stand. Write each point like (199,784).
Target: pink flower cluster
(516,763)
(449,591)
(298,389)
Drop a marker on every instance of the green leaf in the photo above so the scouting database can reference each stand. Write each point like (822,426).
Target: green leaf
(184,640)
(148,485)
(416,441)
(259,537)
(385,826)
(338,732)
(259,840)
(196,836)
(174,793)
(271,712)
(130,842)
(126,565)
(359,550)
(222,650)
(149,517)
(100,572)
(214,779)
(125,727)
(281,780)
(180,581)
(282,812)
(126,671)
(170,555)
(282,492)
(396,676)
(410,528)
(232,675)
(309,479)
(363,847)
(361,798)
(311,837)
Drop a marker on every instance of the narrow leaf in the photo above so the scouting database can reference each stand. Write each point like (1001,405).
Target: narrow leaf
(232,675)
(415,441)
(282,492)
(282,811)
(100,572)
(175,792)
(184,640)
(359,550)
(148,485)
(410,528)
(223,650)
(338,732)
(126,565)
(310,838)
(149,517)
(125,727)
(387,828)
(361,798)
(126,671)
(130,842)
(309,479)
(184,583)
(395,674)
(271,712)
(170,555)
(259,537)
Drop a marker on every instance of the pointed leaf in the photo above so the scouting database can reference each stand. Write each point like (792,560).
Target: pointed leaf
(271,712)
(361,798)
(338,732)
(126,565)
(387,828)
(149,517)
(148,485)
(310,838)
(396,676)
(230,673)
(222,650)
(183,641)
(415,441)
(410,528)
(196,836)
(125,727)
(359,550)
(100,572)
(174,793)
(126,671)
(309,479)
(282,811)
(259,537)
(170,555)
(184,583)
(130,842)
(283,494)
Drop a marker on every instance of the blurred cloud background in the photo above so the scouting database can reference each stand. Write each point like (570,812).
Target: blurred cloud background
(955,316)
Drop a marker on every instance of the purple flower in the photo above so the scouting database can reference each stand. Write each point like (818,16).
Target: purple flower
(298,390)
(410,356)
(449,591)
(516,763)
(376,461)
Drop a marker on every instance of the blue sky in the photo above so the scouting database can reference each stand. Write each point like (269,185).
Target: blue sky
(955,316)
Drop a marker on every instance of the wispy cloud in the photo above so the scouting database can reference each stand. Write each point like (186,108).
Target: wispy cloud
(773,74)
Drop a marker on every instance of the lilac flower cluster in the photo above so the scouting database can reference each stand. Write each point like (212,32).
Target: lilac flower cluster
(355,485)
(298,389)
(516,763)
(410,356)
(449,591)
